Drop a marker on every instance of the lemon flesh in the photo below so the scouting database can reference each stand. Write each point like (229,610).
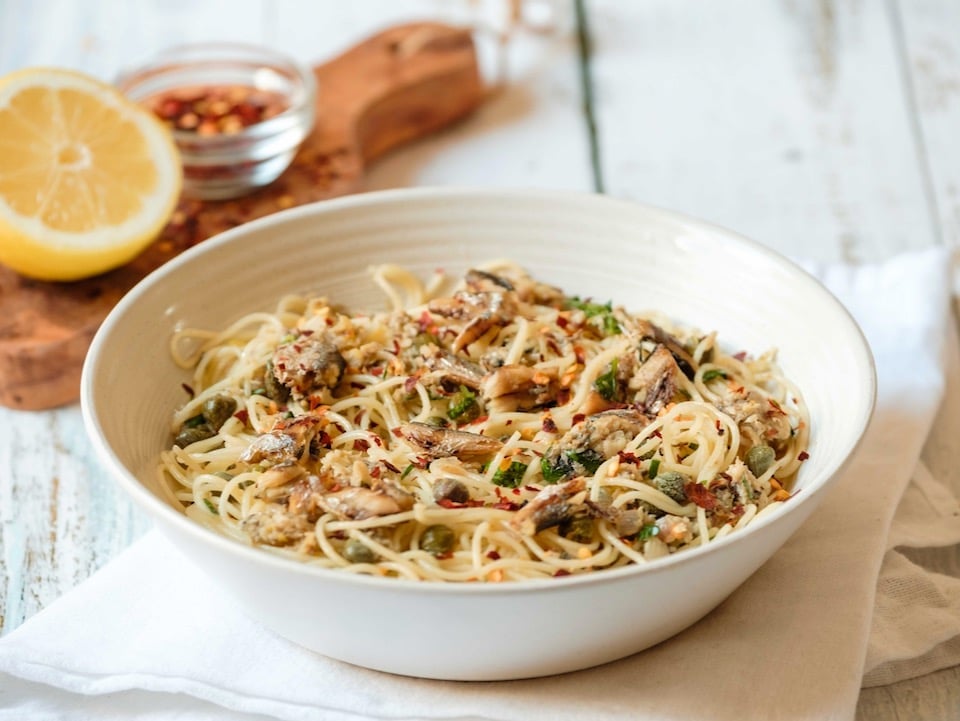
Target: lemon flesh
(87,178)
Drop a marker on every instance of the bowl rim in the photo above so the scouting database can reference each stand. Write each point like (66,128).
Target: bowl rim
(160,510)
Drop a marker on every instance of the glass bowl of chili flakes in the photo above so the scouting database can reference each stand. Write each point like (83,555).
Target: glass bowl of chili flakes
(238,112)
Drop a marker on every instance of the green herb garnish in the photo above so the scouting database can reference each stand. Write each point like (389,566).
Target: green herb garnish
(713,373)
(606,383)
(210,507)
(592,310)
(610,325)
(463,405)
(589,459)
(654,467)
(406,471)
(649,531)
(511,477)
(553,473)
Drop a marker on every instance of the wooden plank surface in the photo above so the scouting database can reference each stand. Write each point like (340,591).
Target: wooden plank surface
(824,128)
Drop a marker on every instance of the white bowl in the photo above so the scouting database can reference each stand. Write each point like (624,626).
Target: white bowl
(641,257)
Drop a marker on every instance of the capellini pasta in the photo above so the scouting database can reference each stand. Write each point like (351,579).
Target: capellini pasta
(502,431)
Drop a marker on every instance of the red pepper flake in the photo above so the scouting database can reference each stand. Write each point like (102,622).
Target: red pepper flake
(627,457)
(242,416)
(532,489)
(803,456)
(447,503)
(306,332)
(215,109)
(188,389)
(548,425)
(552,345)
(389,466)
(444,556)
(410,384)
(422,462)
(478,421)
(741,356)
(580,355)
(700,495)
(562,321)
(397,432)
(563,396)
(509,422)
(657,434)
(719,427)
(378,441)
(578,418)
(323,438)
(375,472)
(425,321)
(360,445)
(376,371)
(561,572)
(507,506)
(515,491)
(493,555)
(396,347)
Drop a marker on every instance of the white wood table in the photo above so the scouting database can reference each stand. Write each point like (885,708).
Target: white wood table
(827,129)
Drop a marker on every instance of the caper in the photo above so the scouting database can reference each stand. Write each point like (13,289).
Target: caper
(578,529)
(186,436)
(218,409)
(357,551)
(274,389)
(671,483)
(759,459)
(630,521)
(437,539)
(452,490)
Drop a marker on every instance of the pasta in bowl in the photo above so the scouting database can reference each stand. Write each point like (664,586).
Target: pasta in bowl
(503,431)
(627,405)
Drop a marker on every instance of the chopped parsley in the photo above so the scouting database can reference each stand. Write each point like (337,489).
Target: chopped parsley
(210,507)
(463,405)
(606,383)
(589,459)
(554,473)
(566,465)
(713,373)
(604,311)
(511,476)
(649,531)
(654,468)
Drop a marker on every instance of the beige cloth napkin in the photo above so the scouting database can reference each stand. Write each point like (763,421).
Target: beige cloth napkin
(150,637)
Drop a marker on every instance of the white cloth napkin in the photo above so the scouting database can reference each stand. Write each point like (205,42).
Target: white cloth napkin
(149,637)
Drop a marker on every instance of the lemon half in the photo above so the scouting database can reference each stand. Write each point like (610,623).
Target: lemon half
(87,177)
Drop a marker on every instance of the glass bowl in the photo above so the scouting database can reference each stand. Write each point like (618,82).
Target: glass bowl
(238,112)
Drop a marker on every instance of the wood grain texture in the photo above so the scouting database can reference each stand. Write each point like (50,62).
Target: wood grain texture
(931,42)
(791,127)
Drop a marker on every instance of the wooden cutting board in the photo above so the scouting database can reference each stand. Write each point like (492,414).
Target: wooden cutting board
(398,85)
